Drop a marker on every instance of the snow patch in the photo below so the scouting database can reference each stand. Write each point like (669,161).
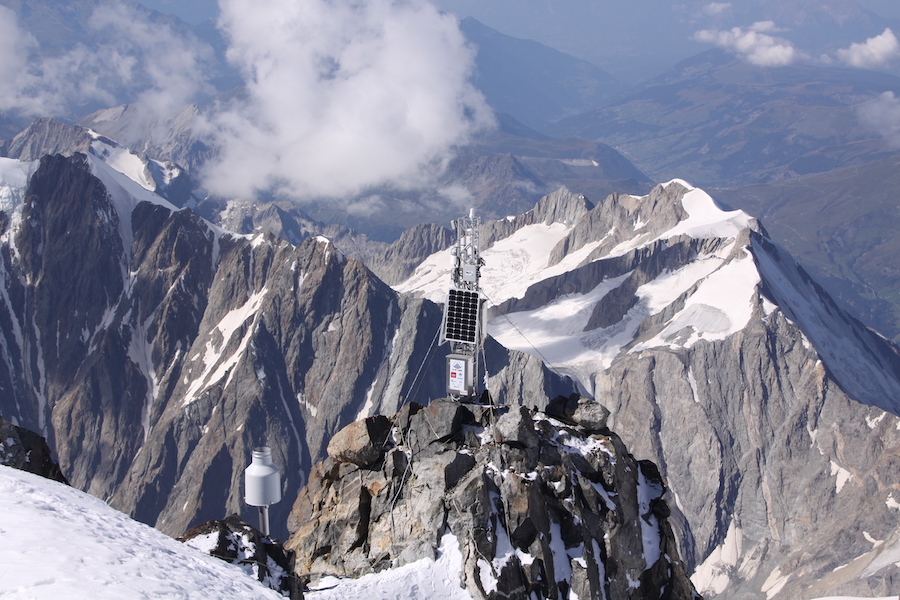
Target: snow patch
(774,583)
(433,579)
(842,475)
(873,422)
(706,219)
(714,574)
(647,492)
(14,178)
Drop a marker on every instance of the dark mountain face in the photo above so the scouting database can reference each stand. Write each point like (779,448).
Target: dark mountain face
(718,121)
(156,365)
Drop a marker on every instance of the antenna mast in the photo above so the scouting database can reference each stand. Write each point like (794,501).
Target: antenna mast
(462,325)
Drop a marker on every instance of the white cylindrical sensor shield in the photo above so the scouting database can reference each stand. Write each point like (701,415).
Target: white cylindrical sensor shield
(262,479)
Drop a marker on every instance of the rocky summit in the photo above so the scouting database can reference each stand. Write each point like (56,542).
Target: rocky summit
(545,504)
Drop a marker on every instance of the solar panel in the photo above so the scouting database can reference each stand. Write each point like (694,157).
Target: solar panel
(461,316)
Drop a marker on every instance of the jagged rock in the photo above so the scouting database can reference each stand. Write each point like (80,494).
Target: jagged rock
(260,556)
(25,450)
(580,515)
(580,411)
(360,442)
(46,136)
(398,260)
(515,428)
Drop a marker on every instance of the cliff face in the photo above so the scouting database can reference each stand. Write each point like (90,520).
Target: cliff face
(539,502)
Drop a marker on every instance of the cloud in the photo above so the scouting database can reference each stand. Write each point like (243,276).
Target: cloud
(166,68)
(715,9)
(132,60)
(753,44)
(35,86)
(875,52)
(882,116)
(340,96)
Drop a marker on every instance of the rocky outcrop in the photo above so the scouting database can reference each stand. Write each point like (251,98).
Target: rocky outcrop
(398,260)
(541,503)
(27,451)
(561,206)
(47,136)
(260,556)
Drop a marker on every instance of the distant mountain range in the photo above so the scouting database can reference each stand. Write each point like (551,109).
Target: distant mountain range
(718,121)
(638,40)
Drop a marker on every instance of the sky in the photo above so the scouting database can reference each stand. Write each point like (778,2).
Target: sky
(196,11)
(342,97)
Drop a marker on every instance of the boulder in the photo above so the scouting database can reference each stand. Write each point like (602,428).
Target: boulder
(576,410)
(360,443)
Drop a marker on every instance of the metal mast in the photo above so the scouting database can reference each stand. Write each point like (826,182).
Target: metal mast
(462,325)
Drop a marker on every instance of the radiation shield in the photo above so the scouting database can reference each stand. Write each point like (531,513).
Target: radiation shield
(262,479)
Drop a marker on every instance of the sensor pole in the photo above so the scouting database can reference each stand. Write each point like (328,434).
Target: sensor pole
(262,485)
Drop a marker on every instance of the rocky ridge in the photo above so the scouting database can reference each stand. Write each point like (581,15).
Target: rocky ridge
(548,503)
(231,539)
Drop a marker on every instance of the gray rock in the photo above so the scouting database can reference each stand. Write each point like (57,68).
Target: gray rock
(362,442)
(27,451)
(515,428)
(577,410)
(260,556)
(577,531)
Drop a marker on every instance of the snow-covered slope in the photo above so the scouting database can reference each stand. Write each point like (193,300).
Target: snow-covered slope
(710,292)
(59,542)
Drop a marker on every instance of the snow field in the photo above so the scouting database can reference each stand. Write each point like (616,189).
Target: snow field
(59,542)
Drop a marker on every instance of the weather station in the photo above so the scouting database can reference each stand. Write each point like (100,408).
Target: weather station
(463,319)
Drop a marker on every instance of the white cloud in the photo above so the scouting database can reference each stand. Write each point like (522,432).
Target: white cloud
(766,27)
(753,44)
(33,86)
(341,96)
(875,52)
(133,60)
(715,9)
(167,68)
(882,116)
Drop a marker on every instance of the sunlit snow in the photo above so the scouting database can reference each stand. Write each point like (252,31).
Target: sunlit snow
(717,291)
(14,176)
(425,578)
(59,542)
